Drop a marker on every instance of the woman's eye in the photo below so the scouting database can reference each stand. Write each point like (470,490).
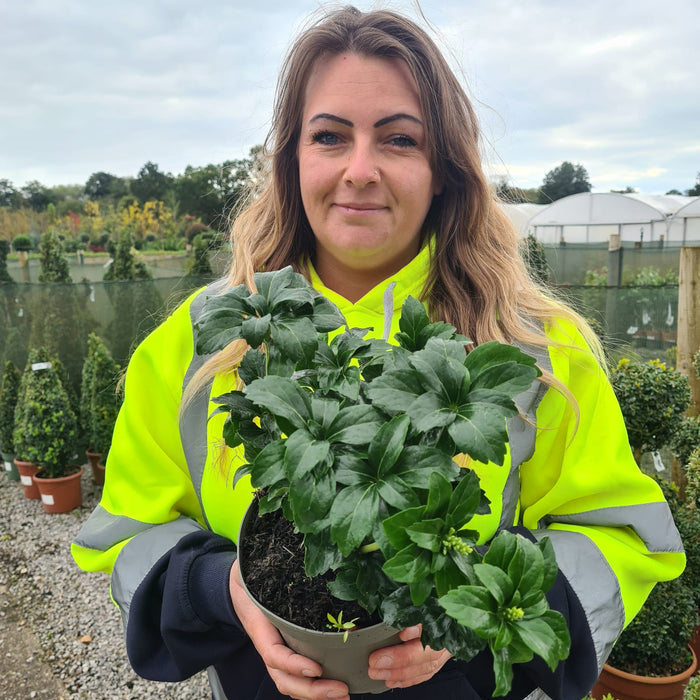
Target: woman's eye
(403,141)
(325,138)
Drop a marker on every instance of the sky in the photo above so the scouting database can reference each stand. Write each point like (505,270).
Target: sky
(99,85)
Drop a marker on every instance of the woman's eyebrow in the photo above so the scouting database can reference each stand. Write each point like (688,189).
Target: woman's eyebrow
(381,122)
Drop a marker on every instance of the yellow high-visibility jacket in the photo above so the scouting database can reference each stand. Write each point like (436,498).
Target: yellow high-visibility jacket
(168,519)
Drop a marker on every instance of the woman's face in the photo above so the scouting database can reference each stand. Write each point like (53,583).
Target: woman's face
(365,176)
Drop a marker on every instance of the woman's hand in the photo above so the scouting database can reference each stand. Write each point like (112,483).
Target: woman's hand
(406,664)
(293,674)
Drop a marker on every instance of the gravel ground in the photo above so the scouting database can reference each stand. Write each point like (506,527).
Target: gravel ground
(60,635)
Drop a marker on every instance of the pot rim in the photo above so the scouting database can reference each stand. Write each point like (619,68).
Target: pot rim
(656,680)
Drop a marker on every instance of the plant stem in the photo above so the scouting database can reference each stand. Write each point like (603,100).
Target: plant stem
(371,547)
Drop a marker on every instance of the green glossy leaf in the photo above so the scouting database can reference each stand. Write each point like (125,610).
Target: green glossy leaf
(354,425)
(267,468)
(304,454)
(416,463)
(320,553)
(503,672)
(420,590)
(409,565)
(255,330)
(549,562)
(396,493)
(252,366)
(502,367)
(464,501)
(310,499)
(396,526)
(296,338)
(439,370)
(480,432)
(352,516)
(428,534)
(387,444)
(473,607)
(283,398)
(431,410)
(526,567)
(439,494)
(502,549)
(547,636)
(503,638)
(324,411)
(395,390)
(327,316)
(220,320)
(414,318)
(496,581)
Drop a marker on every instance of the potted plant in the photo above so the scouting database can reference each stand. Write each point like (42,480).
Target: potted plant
(99,404)
(653,399)
(351,445)
(45,433)
(9,387)
(653,651)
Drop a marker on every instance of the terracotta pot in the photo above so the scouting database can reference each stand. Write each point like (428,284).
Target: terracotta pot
(627,686)
(341,660)
(695,642)
(10,466)
(98,470)
(62,494)
(27,470)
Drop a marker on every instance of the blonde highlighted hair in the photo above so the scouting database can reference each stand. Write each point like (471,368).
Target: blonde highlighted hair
(478,281)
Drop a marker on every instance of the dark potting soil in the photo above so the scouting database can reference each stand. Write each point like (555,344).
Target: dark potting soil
(272,557)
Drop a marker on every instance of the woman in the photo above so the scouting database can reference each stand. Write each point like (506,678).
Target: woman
(375,192)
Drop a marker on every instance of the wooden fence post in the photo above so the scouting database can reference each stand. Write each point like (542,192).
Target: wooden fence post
(689,321)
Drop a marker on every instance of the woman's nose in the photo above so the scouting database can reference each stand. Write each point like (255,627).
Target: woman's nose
(362,168)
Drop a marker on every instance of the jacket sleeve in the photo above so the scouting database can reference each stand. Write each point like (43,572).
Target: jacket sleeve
(608,522)
(143,528)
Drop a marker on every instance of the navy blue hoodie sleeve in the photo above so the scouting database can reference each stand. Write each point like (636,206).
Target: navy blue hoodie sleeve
(181,618)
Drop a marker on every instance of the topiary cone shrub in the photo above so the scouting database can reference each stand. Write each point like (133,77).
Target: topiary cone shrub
(9,390)
(99,400)
(45,425)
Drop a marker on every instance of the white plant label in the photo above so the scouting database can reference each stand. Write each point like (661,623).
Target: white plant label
(658,462)
(37,366)
(26,480)
(8,467)
(47,498)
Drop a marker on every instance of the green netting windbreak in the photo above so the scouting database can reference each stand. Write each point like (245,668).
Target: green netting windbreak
(643,320)
(60,317)
(569,264)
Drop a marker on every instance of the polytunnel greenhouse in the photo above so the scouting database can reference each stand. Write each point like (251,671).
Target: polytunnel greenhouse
(592,217)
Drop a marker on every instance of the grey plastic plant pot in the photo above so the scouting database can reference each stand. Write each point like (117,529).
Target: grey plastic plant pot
(345,661)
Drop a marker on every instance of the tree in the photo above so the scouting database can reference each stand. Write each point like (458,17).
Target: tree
(37,196)
(54,266)
(564,180)
(151,184)
(9,196)
(695,191)
(101,185)
(515,195)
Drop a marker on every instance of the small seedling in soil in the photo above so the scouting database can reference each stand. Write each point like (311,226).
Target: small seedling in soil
(341,626)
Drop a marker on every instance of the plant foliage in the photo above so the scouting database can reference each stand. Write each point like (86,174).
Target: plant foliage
(653,399)
(9,390)
(99,400)
(45,424)
(657,639)
(354,440)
